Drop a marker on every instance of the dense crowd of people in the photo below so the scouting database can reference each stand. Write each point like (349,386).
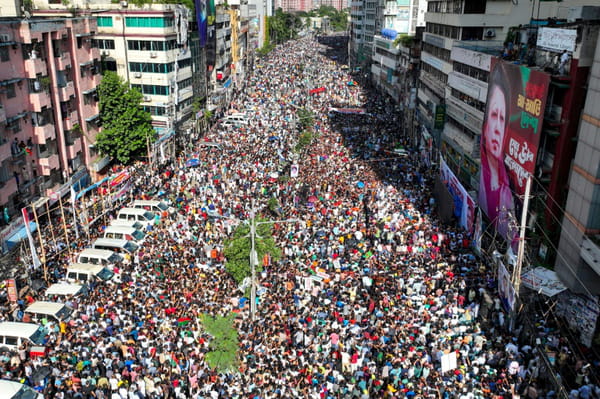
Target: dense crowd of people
(372,296)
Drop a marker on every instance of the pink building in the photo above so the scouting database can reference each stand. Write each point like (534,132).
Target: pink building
(48,107)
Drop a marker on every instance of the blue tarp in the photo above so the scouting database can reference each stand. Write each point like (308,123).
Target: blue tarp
(19,235)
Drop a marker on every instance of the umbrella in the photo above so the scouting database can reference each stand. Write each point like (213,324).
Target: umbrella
(312,198)
(360,184)
(41,373)
(273,138)
(192,162)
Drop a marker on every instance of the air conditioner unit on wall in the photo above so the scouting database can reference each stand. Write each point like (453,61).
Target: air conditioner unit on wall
(152,55)
(105,53)
(137,74)
(147,98)
(490,33)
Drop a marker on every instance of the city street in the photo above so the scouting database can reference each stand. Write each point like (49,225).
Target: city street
(372,297)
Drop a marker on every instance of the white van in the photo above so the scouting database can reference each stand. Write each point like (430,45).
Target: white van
(136,215)
(158,207)
(66,289)
(85,273)
(99,257)
(127,223)
(115,245)
(49,310)
(235,120)
(124,233)
(15,390)
(14,334)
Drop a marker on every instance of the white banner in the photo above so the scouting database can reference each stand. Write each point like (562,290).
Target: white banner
(506,291)
(464,205)
(449,362)
(294,171)
(34,258)
(557,40)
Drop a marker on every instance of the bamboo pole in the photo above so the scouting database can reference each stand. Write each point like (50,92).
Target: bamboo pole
(62,213)
(50,223)
(39,230)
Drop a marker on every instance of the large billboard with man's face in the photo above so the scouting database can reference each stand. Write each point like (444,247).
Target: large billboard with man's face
(512,126)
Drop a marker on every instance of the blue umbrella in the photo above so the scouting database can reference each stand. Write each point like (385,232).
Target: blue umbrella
(273,138)
(192,162)
(360,184)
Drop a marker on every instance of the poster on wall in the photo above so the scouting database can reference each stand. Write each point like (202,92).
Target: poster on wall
(509,141)
(464,205)
(201,20)
(506,291)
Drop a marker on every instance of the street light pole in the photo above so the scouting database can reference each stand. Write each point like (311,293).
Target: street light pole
(253,264)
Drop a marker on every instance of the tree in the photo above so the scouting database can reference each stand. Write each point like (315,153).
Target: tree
(237,249)
(224,344)
(127,128)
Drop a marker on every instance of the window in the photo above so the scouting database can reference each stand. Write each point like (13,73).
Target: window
(14,126)
(152,89)
(155,111)
(148,22)
(10,91)
(104,44)
(105,21)
(4,55)
(149,67)
(185,63)
(184,83)
(151,45)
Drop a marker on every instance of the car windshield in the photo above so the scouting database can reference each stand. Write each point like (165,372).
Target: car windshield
(38,336)
(138,235)
(26,393)
(114,258)
(131,247)
(64,313)
(105,274)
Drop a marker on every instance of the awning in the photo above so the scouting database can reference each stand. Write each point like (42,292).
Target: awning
(7,43)
(83,34)
(19,235)
(15,117)
(90,91)
(542,280)
(92,118)
(99,165)
(90,62)
(10,81)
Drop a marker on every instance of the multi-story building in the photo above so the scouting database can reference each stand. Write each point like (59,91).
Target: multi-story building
(482,23)
(364,25)
(49,107)
(294,5)
(390,60)
(148,47)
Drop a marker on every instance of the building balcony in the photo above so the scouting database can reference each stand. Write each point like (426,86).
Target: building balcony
(468,116)
(35,67)
(65,92)
(2,114)
(39,100)
(71,120)
(48,162)
(184,73)
(590,252)
(186,93)
(4,149)
(63,62)
(461,142)
(435,85)
(73,149)
(43,133)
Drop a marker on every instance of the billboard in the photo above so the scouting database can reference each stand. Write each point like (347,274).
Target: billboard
(510,137)
(201,20)
(464,206)
(211,35)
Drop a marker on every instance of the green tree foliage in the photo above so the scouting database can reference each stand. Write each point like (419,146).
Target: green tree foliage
(224,344)
(126,126)
(306,118)
(404,40)
(338,20)
(237,249)
(283,26)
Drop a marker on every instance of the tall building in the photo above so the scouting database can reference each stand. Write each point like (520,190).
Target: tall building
(148,47)
(49,107)
(475,23)
(364,25)
(578,261)
(391,61)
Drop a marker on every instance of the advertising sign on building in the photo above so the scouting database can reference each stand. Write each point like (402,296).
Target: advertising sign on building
(509,142)
(464,205)
(440,116)
(201,21)
(555,39)
(471,58)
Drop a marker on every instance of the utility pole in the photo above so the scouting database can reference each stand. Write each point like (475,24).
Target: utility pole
(521,249)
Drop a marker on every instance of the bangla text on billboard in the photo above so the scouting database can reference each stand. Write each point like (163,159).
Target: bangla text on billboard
(509,141)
